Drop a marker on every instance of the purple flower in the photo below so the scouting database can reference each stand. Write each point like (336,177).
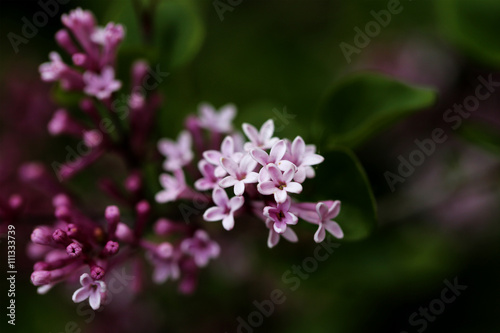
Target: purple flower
(173,186)
(93,290)
(178,153)
(101,85)
(56,70)
(225,208)
(280,183)
(166,263)
(280,216)
(327,211)
(212,120)
(260,139)
(302,157)
(274,237)
(239,173)
(209,180)
(201,248)
(227,150)
(111,34)
(277,152)
(51,71)
(78,18)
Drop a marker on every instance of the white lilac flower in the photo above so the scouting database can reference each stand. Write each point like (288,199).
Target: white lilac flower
(224,211)
(220,122)
(91,289)
(178,153)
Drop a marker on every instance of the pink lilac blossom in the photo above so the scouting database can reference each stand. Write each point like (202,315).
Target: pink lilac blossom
(101,85)
(212,120)
(91,289)
(224,211)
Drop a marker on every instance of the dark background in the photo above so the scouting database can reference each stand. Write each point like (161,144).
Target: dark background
(441,223)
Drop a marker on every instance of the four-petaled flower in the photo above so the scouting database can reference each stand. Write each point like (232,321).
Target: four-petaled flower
(201,247)
(280,215)
(178,153)
(280,183)
(227,151)
(303,157)
(225,208)
(274,157)
(166,263)
(274,237)
(260,139)
(239,173)
(173,186)
(209,180)
(221,121)
(91,289)
(327,210)
(101,85)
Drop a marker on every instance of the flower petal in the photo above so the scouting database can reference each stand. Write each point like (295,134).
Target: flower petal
(290,235)
(334,229)
(214,214)
(220,197)
(267,130)
(275,173)
(95,299)
(229,165)
(239,188)
(227,182)
(260,156)
(250,132)
(300,175)
(319,236)
(312,159)
(280,196)
(333,210)
(236,202)
(278,151)
(247,164)
(293,187)
(212,156)
(227,146)
(81,294)
(85,279)
(267,188)
(298,147)
(322,210)
(273,239)
(252,177)
(228,222)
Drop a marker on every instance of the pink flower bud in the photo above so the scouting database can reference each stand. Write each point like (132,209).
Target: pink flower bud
(97,273)
(124,234)
(74,250)
(39,278)
(42,235)
(111,248)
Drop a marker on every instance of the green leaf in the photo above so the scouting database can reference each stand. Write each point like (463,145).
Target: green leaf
(360,105)
(179,31)
(175,37)
(482,135)
(473,26)
(341,177)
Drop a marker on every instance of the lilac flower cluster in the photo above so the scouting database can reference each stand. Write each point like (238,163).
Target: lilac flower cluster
(263,173)
(93,51)
(76,244)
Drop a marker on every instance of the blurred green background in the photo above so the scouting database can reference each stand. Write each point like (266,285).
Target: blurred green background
(282,59)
